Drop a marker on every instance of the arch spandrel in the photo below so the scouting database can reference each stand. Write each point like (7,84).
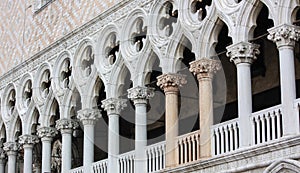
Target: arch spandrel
(287,165)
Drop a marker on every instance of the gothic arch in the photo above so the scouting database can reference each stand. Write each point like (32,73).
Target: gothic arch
(69,102)
(287,165)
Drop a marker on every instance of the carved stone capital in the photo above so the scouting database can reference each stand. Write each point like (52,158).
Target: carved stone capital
(10,147)
(113,105)
(140,94)
(66,125)
(46,133)
(2,157)
(284,35)
(205,68)
(243,52)
(28,140)
(89,116)
(171,82)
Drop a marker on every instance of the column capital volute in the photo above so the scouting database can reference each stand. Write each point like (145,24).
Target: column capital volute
(66,125)
(11,147)
(46,133)
(171,82)
(243,52)
(205,67)
(89,116)
(140,94)
(284,35)
(29,140)
(113,106)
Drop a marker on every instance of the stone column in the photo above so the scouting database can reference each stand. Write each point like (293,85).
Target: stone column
(204,69)
(113,108)
(66,127)
(285,37)
(11,149)
(28,142)
(170,83)
(2,161)
(88,117)
(243,54)
(139,96)
(46,134)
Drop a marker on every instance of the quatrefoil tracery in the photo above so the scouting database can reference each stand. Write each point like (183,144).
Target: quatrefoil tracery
(138,37)
(199,7)
(11,101)
(65,74)
(87,61)
(112,50)
(169,19)
(27,93)
(45,83)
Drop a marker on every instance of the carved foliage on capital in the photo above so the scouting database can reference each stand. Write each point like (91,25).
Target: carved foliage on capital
(28,139)
(113,105)
(66,124)
(140,94)
(284,35)
(46,132)
(205,68)
(171,82)
(243,52)
(89,116)
(10,146)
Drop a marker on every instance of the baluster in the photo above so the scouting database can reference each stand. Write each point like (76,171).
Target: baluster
(194,147)
(263,129)
(156,158)
(185,150)
(217,141)
(273,127)
(236,133)
(278,114)
(230,137)
(189,148)
(198,146)
(131,164)
(268,127)
(222,139)
(254,130)
(226,139)
(257,130)
(153,159)
(160,158)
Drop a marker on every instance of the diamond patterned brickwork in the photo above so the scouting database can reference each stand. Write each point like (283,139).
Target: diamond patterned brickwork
(24,33)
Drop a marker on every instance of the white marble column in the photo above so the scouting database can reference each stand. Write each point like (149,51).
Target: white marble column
(3,160)
(285,37)
(66,126)
(88,117)
(204,69)
(46,134)
(139,96)
(28,142)
(243,54)
(113,108)
(170,83)
(11,149)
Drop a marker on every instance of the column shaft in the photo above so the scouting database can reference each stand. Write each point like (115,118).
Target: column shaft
(28,158)
(12,161)
(88,143)
(113,143)
(66,151)
(2,166)
(46,155)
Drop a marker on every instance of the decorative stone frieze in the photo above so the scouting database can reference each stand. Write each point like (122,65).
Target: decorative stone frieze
(284,35)
(10,147)
(205,68)
(242,52)
(66,125)
(171,82)
(140,94)
(28,140)
(89,116)
(113,105)
(46,133)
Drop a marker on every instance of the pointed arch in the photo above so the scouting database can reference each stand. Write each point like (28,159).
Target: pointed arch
(287,165)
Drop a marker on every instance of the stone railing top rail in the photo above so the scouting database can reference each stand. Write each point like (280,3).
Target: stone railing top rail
(224,124)
(266,111)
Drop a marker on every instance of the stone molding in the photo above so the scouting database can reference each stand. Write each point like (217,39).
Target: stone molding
(205,68)
(113,105)
(10,147)
(242,52)
(28,140)
(140,94)
(46,133)
(171,82)
(284,35)
(66,125)
(89,116)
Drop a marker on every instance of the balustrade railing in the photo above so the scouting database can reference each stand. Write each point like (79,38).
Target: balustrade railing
(267,124)
(100,166)
(77,170)
(156,156)
(188,147)
(225,137)
(126,162)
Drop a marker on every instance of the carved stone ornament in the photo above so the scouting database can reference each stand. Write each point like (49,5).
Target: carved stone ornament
(10,146)
(46,132)
(2,157)
(140,94)
(28,139)
(113,105)
(89,116)
(66,124)
(243,52)
(284,35)
(171,82)
(205,68)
